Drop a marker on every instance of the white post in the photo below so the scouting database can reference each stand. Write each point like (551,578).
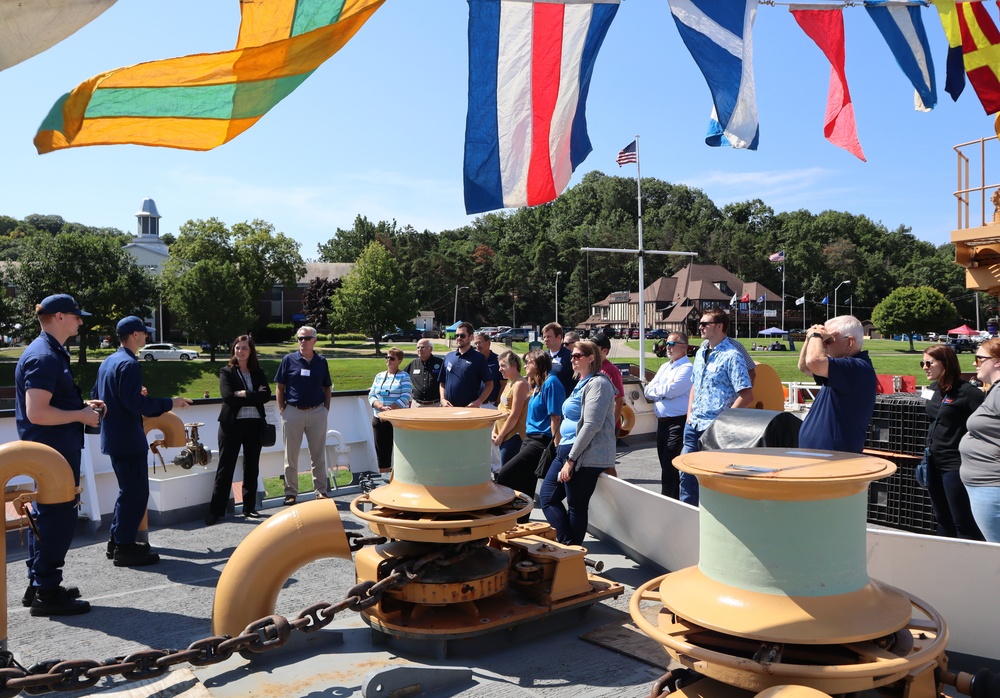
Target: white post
(642,273)
(558,274)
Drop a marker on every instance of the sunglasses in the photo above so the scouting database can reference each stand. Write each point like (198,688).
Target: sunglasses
(461,335)
(391,358)
(706,324)
(577,355)
(304,339)
(926,364)
(977,359)
(674,344)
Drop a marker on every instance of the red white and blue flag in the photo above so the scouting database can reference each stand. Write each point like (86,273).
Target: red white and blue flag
(778,256)
(627,155)
(530,66)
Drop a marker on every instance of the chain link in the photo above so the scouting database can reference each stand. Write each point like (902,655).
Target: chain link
(262,635)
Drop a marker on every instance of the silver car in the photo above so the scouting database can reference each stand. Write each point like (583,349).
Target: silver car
(161,352)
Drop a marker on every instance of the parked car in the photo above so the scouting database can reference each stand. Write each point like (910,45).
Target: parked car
(657,334)
(403,336)
(961,344)
(164,352)
(515,334)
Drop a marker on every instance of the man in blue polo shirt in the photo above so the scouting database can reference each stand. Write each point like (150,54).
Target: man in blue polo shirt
(839,417)
(303,394)
(467,381)
(50,410)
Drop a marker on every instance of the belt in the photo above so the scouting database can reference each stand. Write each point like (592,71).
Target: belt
(670,419)
(301,407)
(427,402)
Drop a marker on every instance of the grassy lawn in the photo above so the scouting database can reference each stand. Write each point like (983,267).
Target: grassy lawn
(275,486)
(354,365)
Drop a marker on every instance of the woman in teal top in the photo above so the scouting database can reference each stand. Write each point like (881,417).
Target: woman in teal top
(586,447)
(544,415)
(391,390)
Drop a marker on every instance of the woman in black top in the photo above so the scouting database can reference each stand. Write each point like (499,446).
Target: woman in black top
(948,409)
(244,390)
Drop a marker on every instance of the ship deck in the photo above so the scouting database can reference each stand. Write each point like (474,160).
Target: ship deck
(169,605)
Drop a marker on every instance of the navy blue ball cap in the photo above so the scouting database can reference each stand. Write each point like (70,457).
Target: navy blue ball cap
(61,303)
(130,324)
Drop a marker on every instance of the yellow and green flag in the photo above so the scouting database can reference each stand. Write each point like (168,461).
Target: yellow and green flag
(201,101)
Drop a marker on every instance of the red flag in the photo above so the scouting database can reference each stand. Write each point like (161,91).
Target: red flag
(826,28)
(745,298)
(981,53)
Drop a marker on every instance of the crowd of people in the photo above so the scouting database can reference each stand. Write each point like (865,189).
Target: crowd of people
(559,421)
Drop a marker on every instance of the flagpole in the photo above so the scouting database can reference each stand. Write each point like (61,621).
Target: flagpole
(784,268)
(642,275)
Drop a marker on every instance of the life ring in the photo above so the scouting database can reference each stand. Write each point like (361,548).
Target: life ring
(627,422)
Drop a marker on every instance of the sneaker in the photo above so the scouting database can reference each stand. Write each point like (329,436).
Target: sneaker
(57,602)
(135,555)
(289,500)
(252,514)
(29,594)
(322,495)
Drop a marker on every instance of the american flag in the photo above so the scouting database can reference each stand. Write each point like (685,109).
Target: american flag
(778,256)
(627,155)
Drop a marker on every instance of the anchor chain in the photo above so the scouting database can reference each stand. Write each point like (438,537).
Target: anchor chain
(261,635)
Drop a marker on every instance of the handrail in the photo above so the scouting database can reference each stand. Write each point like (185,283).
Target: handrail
(965,188)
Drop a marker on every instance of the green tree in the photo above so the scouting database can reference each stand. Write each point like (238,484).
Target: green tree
(95,269)
(910,309)
(209,302)
(374,297)
(347,245)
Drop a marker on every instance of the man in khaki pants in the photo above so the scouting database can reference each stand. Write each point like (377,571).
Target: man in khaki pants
(303,396)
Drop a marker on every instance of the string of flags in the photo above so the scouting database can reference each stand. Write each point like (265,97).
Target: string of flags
(530,67)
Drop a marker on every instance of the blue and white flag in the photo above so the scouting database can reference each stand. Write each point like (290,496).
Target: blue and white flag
(718,33)
(826,300)
(903,30)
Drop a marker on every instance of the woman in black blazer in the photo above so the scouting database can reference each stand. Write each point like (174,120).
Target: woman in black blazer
(244,390)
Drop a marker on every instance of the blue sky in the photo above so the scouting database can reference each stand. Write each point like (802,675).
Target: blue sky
(379,129)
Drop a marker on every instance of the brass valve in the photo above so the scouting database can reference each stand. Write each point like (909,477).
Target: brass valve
(194,452)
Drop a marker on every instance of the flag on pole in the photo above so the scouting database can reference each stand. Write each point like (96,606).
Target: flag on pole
(800,301)
(719,35)
(736,298)
(981,53)
(201,101)
(763,297)
(954,81)
(826,28)
(530,66)
(778,256)
(826,300)
(849,300)
(903,30)
(745,298)
(627,155)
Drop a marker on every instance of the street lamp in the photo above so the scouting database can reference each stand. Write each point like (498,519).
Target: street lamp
(835,296)
(454,317)
(558,274)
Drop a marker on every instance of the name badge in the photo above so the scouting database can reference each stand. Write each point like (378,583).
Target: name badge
(416,372)
(305,372)
(926,393)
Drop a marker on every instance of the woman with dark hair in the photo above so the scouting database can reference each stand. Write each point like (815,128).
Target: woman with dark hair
(543,416)
(980,447)
(245,390)
(952,401)
(391,390)
(586,447)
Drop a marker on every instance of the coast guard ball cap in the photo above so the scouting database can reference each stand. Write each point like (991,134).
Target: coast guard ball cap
(130,324)
(61,303)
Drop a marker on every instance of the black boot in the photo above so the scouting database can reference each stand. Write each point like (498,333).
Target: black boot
(29,594)
(57,602)
(111,548)
(134,555)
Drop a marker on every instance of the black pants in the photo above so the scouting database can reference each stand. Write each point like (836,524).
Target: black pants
(669,441)
(383,443)
(245,434)
(519,472)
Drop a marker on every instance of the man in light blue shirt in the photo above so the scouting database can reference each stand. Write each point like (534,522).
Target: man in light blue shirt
(721,381)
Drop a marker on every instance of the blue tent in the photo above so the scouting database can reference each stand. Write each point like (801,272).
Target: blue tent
(452,328)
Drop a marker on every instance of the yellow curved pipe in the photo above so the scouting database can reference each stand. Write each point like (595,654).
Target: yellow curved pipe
(263,562)
(172,427)
(627,422)
(53,481)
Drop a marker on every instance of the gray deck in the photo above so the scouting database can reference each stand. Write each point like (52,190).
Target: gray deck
(169,606)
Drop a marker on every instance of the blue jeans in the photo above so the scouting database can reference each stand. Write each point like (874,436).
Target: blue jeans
(688,482)
(985,503)
(950,501)
(571,525)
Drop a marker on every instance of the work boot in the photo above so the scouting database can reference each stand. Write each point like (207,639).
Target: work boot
(29,594)
(57,602)
(111,548)
(134,555)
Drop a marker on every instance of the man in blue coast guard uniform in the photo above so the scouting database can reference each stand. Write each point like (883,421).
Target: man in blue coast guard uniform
(119,385)
(49,409)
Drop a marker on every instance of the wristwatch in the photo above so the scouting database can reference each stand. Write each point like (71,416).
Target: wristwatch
(816,334)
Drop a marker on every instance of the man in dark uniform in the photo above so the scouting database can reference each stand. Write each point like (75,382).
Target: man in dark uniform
(482,344)
(467,381)
(119,385)
(50,410)
(552,335)
(425,374)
